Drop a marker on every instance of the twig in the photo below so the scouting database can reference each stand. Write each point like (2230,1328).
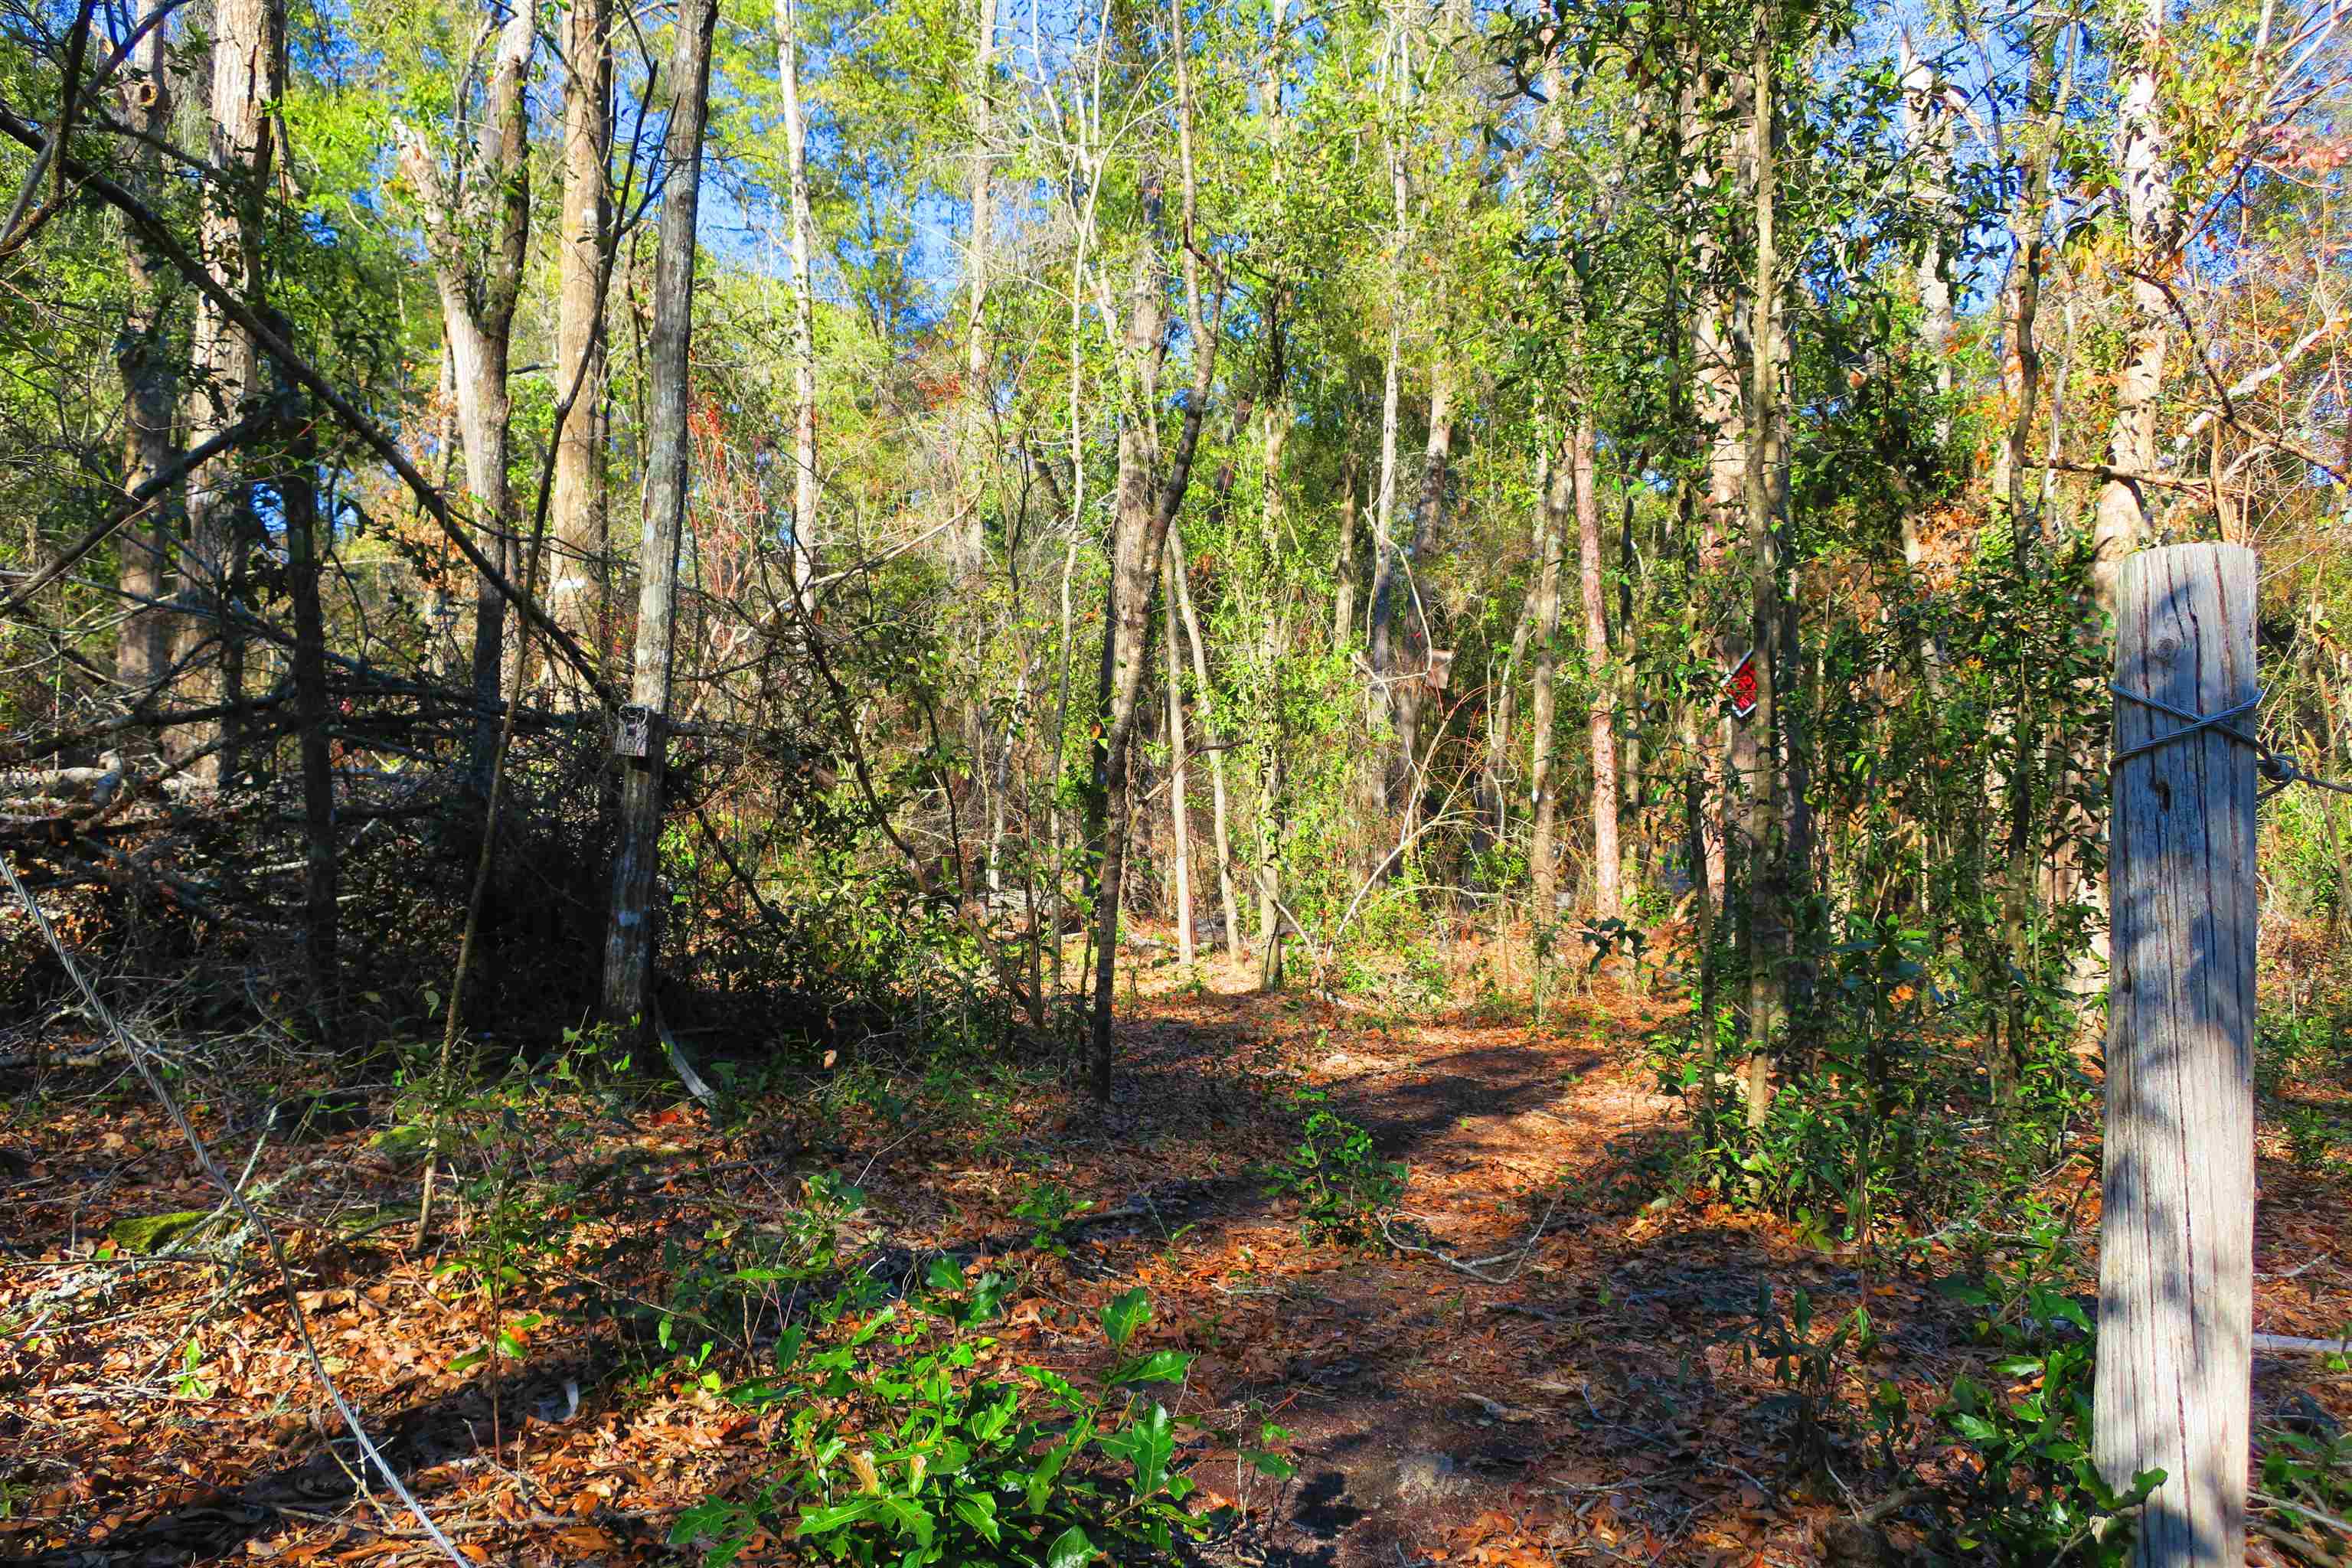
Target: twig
(1473,1269)
(135,1049)
(2329,1519)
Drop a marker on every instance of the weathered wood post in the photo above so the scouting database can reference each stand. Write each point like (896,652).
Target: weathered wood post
(2176,1246)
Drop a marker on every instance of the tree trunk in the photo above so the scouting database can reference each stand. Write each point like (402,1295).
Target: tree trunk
(305,550)
(579,593)
(971,534)
(1543,858)
(1716,401)
(1178,812)
(1926,124)
(628,942)
(2143,167)
(479,284)
(1343,594)
(1140,534)
(1504,713)
(1756,749)
(248,57)
(805,536)
(142,651)
(1219,818)
(1601,721)
(1417,672)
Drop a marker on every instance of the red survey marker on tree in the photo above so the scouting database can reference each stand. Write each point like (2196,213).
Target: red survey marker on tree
(1741,684)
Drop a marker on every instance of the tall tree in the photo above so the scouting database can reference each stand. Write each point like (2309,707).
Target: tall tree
(628,940)
(1600,718)
(477,227)
(1757,753)
(143,360)
(2143,159)
(247,78)
(1142,513)
(1543,610)
(803,246)
(970,530)
(579,590)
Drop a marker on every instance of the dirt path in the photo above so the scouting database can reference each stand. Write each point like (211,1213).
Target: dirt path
(1585,1402)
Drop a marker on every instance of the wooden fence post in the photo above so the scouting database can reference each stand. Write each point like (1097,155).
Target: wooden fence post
(2176,1242)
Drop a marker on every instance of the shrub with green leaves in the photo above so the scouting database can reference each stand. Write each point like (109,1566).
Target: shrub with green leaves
(2035,1494)
(1341,1183)
(898,1451)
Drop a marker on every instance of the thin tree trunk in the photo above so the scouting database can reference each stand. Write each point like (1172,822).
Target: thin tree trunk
(1766,847)
(1386,551)
(479,286)
(142,651)
(579,594)
(805,534)
(2143,167)
(1217,797)
(1926,125)
(1141,533)
(247,54)
(971,534)
(1504,713)
(1543,858)
(1602,721)
(1178,813)
(1343,597)
(1418,683)
(305,550)
(628,943)
(1716,401)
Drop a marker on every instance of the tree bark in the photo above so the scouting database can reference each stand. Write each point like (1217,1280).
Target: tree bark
(142,651)
(1219,818)
(579,593)
(628,942)
(805,530)
(1543,856)
(2143,168)
(1716,403)
(1504,713)
(2176,1252)
(298,497)
(1141,531)
(248,63)
(1343,593)
(1755,751)
(478,233)
(972,533)
(1608,902)
(1413,675)
(1178,812)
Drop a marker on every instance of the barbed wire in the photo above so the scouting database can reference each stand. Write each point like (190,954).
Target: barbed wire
(2278,768)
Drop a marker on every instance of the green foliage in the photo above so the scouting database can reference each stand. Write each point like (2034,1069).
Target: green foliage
(900,1449)
(1341,1184)
(1806,1368)
(1048,1207)
(2307,1479)
(2034,1495)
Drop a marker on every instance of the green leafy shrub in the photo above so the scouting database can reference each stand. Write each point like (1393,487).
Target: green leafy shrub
(898,1451)
(2035,1494)
(1049,1208)
(2306,1482)
(1341,1183)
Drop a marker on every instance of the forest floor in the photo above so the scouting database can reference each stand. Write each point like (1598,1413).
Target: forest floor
(1587,1401)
